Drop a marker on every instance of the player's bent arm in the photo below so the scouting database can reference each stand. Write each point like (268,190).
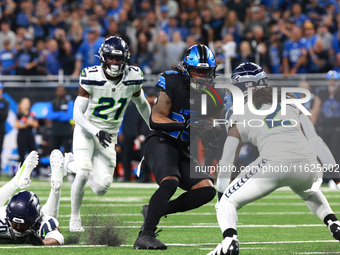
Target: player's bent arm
(80,106)
(142,104)
(322,151)
(159,113)
(54,238)
(230,153)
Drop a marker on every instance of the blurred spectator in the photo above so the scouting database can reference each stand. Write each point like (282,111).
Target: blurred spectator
(52,59)
(244,55)
(143,58)
(25,14)
(297,14)
(88,49)
(27,58)
(75,35)
(196,29)
(184,24)
(67,58)
(4,106)
(6,34)
(218,21)
(326,113)
(295,54)
(61,113)
(8,59)
(274,53)
(25,122)
(309,35)
(319,58)
(159,53)
(305,85)
(240,7)
(175,50)
(254,21)
(324,35)
(42,52)
(232,26)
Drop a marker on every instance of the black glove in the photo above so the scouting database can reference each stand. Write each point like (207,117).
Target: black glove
(206,132)
(33,238)
(104,138)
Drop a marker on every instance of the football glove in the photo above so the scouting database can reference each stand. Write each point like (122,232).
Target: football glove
(33,238)
(206,132)
(104,138)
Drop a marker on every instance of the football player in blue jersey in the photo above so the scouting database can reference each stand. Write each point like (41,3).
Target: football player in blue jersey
(23,220)
(104,93)
(167,149)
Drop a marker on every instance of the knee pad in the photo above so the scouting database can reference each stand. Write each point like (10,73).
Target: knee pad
(83,175)
(98,189)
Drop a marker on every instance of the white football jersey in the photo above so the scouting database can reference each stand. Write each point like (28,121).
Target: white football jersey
(46,226)
(108,101)
(278,137)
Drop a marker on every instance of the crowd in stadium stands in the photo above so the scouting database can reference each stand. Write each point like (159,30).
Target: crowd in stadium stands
(42,37)
(283,36)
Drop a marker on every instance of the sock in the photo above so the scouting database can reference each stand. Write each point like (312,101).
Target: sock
(318,205)
(51,206)
(230,232)
(7,190)
(191,199)
(77,192)
(158,203)
(330,217)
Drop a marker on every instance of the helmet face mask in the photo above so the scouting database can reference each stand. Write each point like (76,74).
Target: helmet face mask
(22,212)
(198,62)
(113,54)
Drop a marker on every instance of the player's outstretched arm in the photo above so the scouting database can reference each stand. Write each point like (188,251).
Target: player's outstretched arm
(142,105)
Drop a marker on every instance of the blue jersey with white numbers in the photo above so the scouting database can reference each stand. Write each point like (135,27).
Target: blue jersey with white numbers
(187,102)
(293,51)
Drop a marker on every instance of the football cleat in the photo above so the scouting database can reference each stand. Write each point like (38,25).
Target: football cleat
(75,225)
(334,227)
(150,242)
(22,177)
(144,212)
(67,159)
(229,246)
(57,169)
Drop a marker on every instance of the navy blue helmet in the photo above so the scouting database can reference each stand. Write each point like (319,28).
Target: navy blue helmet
(248,75)
(23,211)
(114,47)
(199,62)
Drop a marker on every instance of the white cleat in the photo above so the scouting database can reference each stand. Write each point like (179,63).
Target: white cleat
(75,225)
(57,168)
(24,171)
(67,159)
(229,246)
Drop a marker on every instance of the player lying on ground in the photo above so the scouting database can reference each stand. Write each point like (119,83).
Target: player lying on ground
(23,220)
(280,145)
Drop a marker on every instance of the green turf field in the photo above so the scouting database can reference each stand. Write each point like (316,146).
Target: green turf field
(277,224)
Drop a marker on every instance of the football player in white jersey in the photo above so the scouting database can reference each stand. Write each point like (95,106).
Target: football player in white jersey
(23,220)
(288,148)
(104,93)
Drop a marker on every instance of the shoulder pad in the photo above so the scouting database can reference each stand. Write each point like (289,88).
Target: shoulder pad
(134,76)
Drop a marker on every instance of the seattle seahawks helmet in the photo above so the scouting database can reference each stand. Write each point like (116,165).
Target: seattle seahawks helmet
(248,75)
(332,74)
(198,62)
(22,212)
(117,48)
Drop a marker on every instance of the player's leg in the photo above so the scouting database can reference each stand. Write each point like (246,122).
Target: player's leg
(21,179)
(83,146)
(199,186)
(161,156)
(51,206)
(103,166)
(250,186)
(318,204)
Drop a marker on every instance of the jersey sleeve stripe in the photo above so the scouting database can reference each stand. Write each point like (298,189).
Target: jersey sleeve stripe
(133,82)
(92,82)
(161,82)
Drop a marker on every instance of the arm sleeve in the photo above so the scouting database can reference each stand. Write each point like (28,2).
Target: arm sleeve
(55,234)
(226,165)
(142,106)
(321,149)
(80,107)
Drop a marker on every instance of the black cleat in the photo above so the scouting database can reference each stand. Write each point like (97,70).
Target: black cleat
(335,230)
(148,242)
